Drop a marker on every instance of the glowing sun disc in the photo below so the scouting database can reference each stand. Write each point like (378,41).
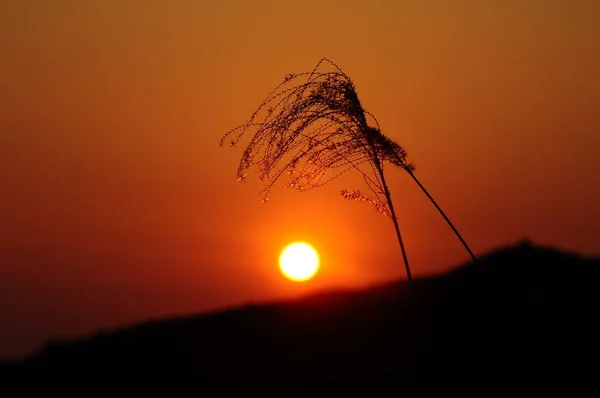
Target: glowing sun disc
(299,262)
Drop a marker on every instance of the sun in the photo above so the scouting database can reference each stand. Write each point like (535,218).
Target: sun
(299,262)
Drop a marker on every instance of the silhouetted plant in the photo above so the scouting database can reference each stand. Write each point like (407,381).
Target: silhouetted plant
(313,124)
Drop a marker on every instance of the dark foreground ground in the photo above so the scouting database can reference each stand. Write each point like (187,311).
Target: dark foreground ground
(524,317)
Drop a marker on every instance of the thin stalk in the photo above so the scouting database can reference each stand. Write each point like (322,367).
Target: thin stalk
(443,215)
(388,198)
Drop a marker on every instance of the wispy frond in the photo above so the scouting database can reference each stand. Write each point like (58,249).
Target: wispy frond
(313,128)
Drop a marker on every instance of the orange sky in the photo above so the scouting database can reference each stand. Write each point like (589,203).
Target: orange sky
(118,205)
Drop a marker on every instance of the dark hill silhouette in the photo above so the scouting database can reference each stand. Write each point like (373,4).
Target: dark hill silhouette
(524,315)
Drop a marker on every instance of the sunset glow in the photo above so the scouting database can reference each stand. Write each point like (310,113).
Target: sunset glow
(299,262)
(119,205)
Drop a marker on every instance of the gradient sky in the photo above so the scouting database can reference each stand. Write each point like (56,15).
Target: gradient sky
(117,204)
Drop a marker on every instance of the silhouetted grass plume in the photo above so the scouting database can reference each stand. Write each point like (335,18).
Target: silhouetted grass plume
(313,128)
